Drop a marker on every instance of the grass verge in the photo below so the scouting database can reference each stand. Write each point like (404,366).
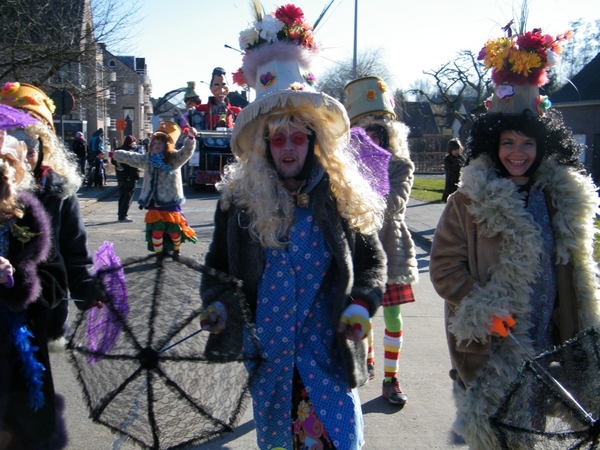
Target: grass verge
(428,189)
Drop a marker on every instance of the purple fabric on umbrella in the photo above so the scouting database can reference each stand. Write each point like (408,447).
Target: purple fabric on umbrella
(14,118)
(104,325)
(372,160)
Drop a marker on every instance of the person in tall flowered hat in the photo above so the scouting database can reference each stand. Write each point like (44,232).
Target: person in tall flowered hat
(513,247)
(297,224)
(371,108)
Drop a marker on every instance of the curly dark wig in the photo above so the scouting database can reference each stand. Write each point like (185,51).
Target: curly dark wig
(553,139)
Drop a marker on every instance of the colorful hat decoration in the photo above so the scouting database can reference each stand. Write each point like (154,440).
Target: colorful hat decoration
(520,64)
(279,53)
(368,96)
(169,129)
(29,98)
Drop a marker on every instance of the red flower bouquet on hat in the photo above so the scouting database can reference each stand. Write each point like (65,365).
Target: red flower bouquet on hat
(522,58)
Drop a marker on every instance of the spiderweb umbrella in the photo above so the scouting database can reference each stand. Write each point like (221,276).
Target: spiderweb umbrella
(372,160)
(554,403)
(157,384)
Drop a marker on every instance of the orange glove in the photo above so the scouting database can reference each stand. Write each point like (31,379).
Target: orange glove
(502,325)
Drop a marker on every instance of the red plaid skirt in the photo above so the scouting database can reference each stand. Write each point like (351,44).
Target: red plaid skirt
(397,294)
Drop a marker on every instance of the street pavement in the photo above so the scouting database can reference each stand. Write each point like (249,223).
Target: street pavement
(423,423)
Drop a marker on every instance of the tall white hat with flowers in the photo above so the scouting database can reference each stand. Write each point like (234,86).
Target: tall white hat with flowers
(279,52)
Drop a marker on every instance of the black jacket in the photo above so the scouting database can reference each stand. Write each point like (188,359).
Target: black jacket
(358,263)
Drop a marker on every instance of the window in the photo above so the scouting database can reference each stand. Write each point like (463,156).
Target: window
(112,63)
(127,88)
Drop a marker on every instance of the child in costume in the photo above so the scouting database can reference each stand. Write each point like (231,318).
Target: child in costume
(162,190)
(370,107)
(33,280)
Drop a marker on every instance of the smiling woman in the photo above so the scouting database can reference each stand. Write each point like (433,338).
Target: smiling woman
(513,242)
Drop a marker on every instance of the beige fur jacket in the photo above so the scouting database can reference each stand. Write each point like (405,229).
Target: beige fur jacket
(485,256)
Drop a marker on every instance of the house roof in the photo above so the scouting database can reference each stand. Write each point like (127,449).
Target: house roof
(418,116)
(585,86)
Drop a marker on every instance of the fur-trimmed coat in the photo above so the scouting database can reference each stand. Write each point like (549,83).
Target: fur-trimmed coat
(394,235)
(160,186)
(485,257)
(70,235)
(40,284)
(358,261)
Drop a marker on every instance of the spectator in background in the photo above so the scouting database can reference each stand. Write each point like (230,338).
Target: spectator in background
(453,162)
(80,151)
(127,177)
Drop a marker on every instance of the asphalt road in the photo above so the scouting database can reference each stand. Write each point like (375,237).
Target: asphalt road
(423,423)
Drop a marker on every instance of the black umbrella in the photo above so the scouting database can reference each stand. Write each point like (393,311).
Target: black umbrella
(153,384)
(554,403)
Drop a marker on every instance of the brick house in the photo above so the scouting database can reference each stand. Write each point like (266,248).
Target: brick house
(579,103)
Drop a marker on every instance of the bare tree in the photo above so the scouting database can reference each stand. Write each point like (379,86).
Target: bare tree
(461,82)
(368,63)
(48,43)
(576,52)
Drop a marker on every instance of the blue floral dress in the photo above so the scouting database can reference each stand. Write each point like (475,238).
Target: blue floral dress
(297,335)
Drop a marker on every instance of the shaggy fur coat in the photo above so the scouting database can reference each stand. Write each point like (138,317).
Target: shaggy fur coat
(358,261)
(40,285)
(395,238)
(484,258)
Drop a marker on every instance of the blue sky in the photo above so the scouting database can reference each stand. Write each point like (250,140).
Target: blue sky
(183,40)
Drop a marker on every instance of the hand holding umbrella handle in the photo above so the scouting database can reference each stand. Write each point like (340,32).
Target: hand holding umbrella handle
(213,319)
(502,325)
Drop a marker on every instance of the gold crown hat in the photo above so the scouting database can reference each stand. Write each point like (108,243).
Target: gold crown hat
(29,98)
(170,129)
(519,65)
(368,96)
(280,52)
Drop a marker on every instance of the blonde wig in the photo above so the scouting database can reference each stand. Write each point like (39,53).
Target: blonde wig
(252,183)
(9,204)
(56,156)
(397,133)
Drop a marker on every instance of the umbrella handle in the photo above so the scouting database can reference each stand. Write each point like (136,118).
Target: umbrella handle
(566,394)
(184,339)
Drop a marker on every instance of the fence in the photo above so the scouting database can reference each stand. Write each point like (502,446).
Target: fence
(427,153)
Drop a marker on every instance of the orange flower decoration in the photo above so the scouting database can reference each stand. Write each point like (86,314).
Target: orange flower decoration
(371,94)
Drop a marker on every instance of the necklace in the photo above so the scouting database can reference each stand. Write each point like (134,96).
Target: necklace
(301,200)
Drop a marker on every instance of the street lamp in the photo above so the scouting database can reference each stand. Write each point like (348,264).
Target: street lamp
(355,39)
